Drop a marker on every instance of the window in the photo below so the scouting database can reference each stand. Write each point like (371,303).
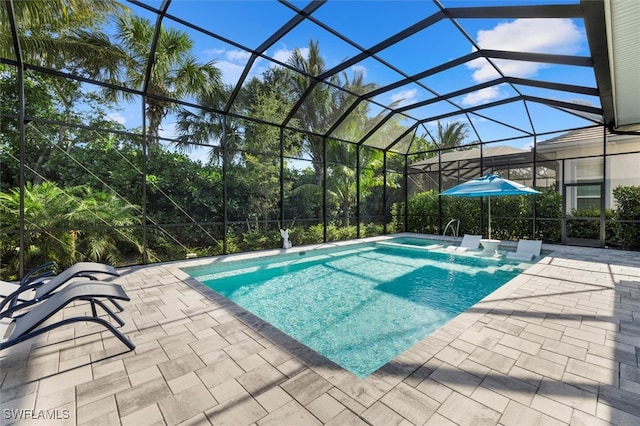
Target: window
(588,196)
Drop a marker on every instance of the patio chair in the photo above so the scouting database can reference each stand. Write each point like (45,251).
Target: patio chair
(30,323)
(45,283)
(526,250)
(469,242)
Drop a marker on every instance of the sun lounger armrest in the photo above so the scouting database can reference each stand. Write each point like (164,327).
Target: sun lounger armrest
(30,276)
(12,300)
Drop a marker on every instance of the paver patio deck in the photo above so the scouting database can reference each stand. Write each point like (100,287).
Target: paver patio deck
(557,345)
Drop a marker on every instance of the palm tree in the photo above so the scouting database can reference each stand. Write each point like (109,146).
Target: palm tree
(451,135)
(47,29)
(176,72)
(69,225)
(325,104)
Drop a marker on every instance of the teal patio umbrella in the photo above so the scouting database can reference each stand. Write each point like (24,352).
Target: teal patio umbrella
(489,185)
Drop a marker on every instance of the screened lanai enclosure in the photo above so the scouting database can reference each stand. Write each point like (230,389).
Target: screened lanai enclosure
(145,131)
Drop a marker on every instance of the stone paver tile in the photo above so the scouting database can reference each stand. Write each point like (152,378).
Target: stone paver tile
(213,356)
(180,366)
(141,396)
(437,420)
(181,383)
(178,352)
(479,339)
(274,355)
(585,335)
(64,380)
(26,402)
(56,399)
(106,419)
(97,409)
(197,420)
(456,379)
(452,355)
(493,360)
(141,376)
(418,376)
(186,404)
(580,418)
(291,413)
(306,386)
(615,416)
(243,349)
(243,410)
(540,366)
(261,379)
(553,357)
(380,414)
(520,344)
(592,371)
(490,398)
(103,369)
(463,410)
(544,331)
(510,387)
(346,400)
(219,372)
(630,386)
(410,403)
(620,399)
(517,414)
(180,337)
(227,390)
(149,415)
(18,391)
(434,389)
(346,418)
(80,350)
(291,367)
(141,361)
(325,407)
(508,327)
(604,362)
(572,396)
(552,408)
(100,388)
(272,399)
(251,362)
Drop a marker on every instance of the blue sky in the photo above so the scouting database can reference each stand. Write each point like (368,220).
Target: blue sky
(367,23)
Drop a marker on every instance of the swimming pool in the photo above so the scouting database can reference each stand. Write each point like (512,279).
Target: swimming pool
(361,305)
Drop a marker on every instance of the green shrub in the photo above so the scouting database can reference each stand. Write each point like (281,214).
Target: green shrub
(628,201)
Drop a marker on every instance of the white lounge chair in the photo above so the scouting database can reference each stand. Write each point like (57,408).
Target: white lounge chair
(469,242)
(526,250)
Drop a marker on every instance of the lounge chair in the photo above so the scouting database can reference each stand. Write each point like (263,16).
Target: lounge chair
(526,250)
(45,283)
(469,242)
(30,323)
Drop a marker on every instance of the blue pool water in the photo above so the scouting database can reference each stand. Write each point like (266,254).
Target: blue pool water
(359,306)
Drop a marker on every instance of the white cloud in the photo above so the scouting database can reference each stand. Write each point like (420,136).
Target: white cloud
(117,117)
(557,36)
(359,68)
(237,55)
(283,55)
(213,52)
(482,96)
(404,97)
(230,72)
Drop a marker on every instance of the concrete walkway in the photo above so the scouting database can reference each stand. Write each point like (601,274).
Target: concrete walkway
(557,345)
